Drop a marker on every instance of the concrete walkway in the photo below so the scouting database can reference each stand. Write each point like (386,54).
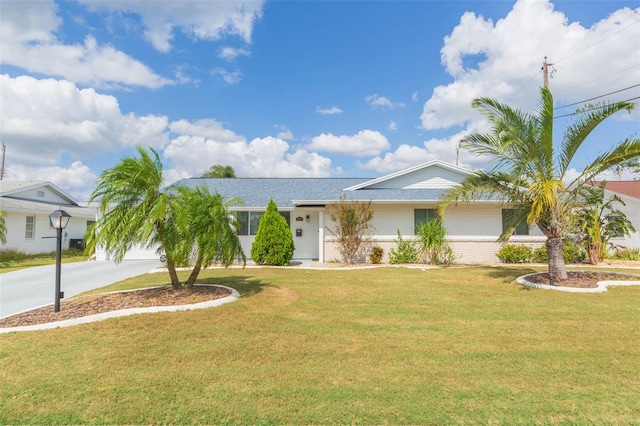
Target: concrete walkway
(30,288)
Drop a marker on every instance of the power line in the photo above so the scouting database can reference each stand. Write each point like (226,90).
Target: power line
(598,42)
(599,78)
(596,97)
(592,108)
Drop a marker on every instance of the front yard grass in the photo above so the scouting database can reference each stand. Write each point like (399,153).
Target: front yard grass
(374,346)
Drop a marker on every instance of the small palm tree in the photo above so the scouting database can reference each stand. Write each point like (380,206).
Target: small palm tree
(183,224)
(530,173)
(601,221)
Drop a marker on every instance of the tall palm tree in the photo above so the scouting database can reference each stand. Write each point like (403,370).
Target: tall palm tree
(135,210)
(530,172)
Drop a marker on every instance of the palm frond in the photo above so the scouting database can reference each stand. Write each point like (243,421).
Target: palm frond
(576,133)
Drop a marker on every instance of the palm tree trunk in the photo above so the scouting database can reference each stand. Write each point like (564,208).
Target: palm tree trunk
(557,270)
(173,274)
(194,274)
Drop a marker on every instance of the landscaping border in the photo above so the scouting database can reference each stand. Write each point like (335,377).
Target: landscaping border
(602,285)
(130,311)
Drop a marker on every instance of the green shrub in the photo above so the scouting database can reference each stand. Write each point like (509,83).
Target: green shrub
(571,253)
(273,244)
(405,251)
(376,254)
(624,253)
(433,246)
(12,255)
(515,253)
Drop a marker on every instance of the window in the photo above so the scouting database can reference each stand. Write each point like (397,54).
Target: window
(249,221)
(422,215)
(507,215)
(30,228)
(90,224)
(40,194)
(254,220)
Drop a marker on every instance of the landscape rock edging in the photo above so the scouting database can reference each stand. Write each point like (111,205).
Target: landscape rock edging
(602,285)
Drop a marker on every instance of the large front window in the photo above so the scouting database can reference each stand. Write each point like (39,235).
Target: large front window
(249,221)
(507,215)
(421,216)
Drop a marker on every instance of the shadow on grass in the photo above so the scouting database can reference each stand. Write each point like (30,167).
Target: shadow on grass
(246,286)
(508,274)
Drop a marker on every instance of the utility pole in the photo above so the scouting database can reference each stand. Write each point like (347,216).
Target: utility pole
(545,72)
(4,149)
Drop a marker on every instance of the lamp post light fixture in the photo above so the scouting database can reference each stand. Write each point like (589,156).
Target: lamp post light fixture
(59,220)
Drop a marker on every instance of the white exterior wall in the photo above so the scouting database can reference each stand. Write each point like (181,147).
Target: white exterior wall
(15,223)
(473,231)
(631,210)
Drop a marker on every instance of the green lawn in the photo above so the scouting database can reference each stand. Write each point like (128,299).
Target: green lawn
(376,346)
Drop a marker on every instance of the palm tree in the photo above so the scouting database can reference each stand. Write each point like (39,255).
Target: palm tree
(135,210)
(211,233)
(530,173)
(3,229)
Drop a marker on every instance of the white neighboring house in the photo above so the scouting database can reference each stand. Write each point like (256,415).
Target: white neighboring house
(27,206)
(629,192)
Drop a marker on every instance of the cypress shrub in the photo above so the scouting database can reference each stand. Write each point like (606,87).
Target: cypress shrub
(273,244)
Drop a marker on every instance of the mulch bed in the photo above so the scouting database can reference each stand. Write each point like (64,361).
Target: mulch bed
(583,279)
(99,303)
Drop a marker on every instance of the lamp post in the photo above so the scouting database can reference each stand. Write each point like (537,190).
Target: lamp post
(59,220)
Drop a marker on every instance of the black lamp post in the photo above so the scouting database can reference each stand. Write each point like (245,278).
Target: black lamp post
(59,220)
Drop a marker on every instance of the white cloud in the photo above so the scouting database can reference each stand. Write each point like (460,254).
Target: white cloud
(502,60)
(230,53)
(364,143)
(262,157)
(48,117)
(406,156)
(230,77)
(377,101)
(414,96)
(27,40)
(285,133)
(200,20)
(328,111)
(207,128)
(393,125)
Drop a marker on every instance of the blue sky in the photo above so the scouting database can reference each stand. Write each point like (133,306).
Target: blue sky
(293,88)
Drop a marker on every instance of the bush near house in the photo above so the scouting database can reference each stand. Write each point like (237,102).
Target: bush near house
(515,253)
(571,253)
(273,244)
(376,254)
(406,251)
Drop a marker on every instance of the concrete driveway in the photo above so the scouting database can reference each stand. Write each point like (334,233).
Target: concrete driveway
(33,287)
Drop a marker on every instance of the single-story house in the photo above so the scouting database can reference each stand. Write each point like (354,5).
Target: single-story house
(27,206)
(399,201)
(629,193)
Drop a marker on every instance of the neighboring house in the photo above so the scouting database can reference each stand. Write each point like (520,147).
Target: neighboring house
(629,192)
(399,201)
(27,206)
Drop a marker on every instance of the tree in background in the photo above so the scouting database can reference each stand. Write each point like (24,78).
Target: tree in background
(530,174)
(3,228)
(600,221)
(351,220)
(632,165)
(134,210)
(220,171)
(273,243)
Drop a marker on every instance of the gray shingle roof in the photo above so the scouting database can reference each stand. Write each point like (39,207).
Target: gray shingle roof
(288,192)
